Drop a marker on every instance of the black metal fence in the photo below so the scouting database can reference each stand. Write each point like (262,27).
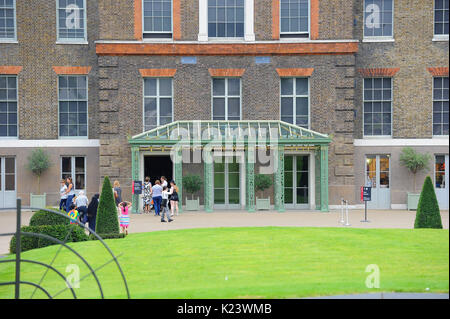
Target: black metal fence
(18,260)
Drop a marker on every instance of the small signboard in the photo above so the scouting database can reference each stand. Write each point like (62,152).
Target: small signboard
(137,188)
(366,194)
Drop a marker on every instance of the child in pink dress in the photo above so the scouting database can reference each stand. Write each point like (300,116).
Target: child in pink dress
(124,217)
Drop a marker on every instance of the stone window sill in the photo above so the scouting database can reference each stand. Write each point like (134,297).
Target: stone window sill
(440,38)
(374,40)
(73,42)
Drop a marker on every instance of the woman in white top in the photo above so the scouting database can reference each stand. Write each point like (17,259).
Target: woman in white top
(63,195)
(164,182)
(70,193)
(164,205)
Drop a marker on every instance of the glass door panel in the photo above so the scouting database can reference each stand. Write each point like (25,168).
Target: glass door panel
(302,179)
(219,183)
(378,177)
(296,181)
(7,182)
(384,171)
(441,180)
(371,171)
(227,183)
(289,180)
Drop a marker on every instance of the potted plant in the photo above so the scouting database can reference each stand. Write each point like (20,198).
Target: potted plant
(38,163)
(262,182)
(192,184)
(414,162)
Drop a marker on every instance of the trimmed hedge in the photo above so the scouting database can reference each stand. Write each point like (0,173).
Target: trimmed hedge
(428,214)
(107,236)
(57,231)
(107,220)
(42,217)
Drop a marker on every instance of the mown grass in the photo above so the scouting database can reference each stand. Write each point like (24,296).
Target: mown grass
(269,262)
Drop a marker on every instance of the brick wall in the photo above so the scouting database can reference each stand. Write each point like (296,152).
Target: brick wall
(38,52)
(413,51)
(121,102)
(336,19)
(117,19)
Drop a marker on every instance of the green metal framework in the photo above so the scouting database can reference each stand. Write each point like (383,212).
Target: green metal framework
(245,135)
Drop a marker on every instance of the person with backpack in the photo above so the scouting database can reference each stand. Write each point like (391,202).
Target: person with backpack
(117,192)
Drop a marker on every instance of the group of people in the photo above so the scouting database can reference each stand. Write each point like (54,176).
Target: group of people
(160,196)
(78,206)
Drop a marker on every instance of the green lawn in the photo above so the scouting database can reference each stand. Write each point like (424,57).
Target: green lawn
(271,262)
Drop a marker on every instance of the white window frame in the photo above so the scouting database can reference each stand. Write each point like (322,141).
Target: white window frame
(157,32)
(226,97)
(392,107)
(294,96)
(378,171)
(434,167)
(298,33)
(378,38)
(249,34)
(87,107)
(72,168)
(3,174)
(71,40)
(157,97)
(432,108)
(12,40)
(17,111)
(437,37)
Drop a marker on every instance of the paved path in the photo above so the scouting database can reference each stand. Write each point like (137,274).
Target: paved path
(147,223)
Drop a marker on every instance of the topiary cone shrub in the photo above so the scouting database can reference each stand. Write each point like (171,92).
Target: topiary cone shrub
(428,214)
(107,221)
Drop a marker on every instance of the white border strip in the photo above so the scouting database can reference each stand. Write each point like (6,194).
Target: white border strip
(15,143)
(402,142)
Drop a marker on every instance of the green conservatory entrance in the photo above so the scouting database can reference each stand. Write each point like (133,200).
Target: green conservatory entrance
(228,154)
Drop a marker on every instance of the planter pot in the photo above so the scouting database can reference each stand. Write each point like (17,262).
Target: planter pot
(262,203)
(192,204)
(38,201)
(413,201)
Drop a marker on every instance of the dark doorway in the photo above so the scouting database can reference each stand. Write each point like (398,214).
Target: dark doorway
(157,166)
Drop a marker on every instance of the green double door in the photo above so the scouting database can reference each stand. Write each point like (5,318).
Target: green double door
(227,179)
(296,182)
